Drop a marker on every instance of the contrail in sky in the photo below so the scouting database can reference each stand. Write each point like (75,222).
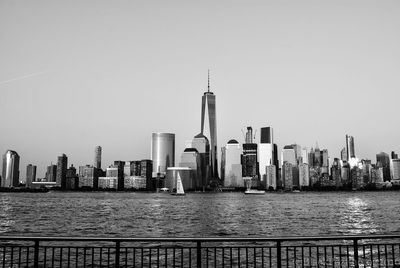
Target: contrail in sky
(22,77)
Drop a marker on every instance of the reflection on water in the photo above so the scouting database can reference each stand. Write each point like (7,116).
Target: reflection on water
(358,217)
(6,221)
(196,214)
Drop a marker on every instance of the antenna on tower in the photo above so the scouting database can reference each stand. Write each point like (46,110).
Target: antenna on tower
(208,80)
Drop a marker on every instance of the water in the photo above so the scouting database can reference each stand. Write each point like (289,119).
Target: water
(210,214)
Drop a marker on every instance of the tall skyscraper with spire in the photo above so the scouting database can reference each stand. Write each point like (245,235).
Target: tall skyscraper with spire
(209,126)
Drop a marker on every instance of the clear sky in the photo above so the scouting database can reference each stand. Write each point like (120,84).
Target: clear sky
(76,74)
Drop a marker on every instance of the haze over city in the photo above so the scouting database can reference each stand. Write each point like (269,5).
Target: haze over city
(78,74)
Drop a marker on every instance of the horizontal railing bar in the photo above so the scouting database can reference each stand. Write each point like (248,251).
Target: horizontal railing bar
(197,239)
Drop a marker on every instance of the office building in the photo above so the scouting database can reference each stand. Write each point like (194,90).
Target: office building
(146,170)
(10,174)
(265,152)
(317,157)
(345,174)
(314,176)
(343,155)
(162,152)
(357,181)
(249,157)
(120,165)
(62,164)
(325,158)
(350,147)
(304,175)
(108,183)
(128,171)
(295,177)
(71,171)
(383,160)
(223,158)
(233,167)
(30,175)
(89,177)
(97,157)
(396,171)
(287,175)
(297,150)
(289,155)
(335,171)
(112,171)
(191,158)
(376,175)
(304,156)
(202,145)
(134,183)
(72,179)
(51,173)
(271,180)
(209,127)
(135,168)
(311,156)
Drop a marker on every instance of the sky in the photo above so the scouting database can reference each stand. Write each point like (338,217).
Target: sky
(76,74)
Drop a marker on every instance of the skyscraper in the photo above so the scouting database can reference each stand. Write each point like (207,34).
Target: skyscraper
(10,176)
(209,119)
(343,154)
(271,177)
(383,160)
(289,155)
(396,171)
(287,175)
(265,152)
(120,166)
(304,156)
(317,157)
(97,157)
(202,145)
(311,157)
(51,173)
(61,177)
(325,158)
(350,147)
(249,158)
(30,175)
(191,158)
(233,166)
(162,152)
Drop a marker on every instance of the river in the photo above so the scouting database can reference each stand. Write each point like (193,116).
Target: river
(131,214)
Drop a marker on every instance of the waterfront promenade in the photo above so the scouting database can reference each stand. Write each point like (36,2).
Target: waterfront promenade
(317,251)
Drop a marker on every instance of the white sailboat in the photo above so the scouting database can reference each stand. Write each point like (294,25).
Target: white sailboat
(179,186)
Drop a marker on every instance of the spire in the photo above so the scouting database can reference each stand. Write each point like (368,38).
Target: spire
(316,145)
(208,80)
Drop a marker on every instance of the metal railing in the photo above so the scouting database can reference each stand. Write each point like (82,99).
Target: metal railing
(318,251)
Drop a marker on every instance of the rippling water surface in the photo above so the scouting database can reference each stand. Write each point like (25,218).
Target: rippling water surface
(210,214)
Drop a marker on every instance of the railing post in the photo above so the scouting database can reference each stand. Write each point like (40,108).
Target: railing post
(355,245)
(117,253)
(36,255)
(198,254)
(278,254)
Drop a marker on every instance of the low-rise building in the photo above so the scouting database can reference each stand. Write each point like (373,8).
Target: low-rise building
(135,182)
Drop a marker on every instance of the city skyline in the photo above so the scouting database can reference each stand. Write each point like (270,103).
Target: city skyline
(271,65)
